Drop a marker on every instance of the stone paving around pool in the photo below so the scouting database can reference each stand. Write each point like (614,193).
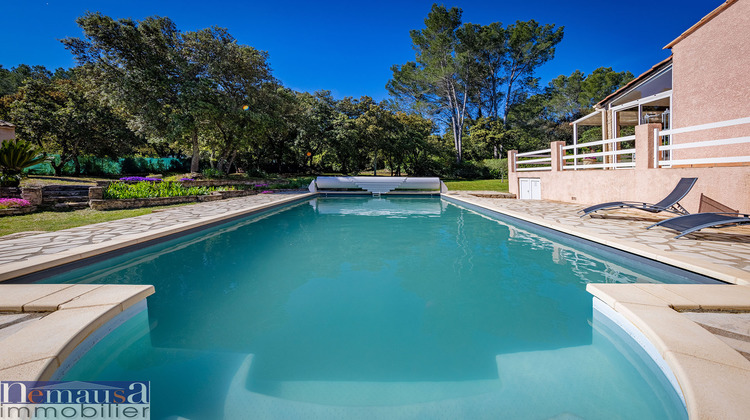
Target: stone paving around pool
(720,253)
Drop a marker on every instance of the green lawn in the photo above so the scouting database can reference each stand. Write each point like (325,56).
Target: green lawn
(478,185)
(41,180)
(51,221)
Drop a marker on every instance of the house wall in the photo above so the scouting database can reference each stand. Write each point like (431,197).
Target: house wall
(711,82)
(7,133)
(589,187)
(727,185)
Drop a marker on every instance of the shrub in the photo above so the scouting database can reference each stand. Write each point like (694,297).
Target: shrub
(290,184)
(6,203)
(498,167)
(17,155)
(467,170)
(212,173)
(9,180)
(256,173)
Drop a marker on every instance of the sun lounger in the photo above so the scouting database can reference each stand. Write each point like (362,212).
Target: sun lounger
(693,222)
(669,204)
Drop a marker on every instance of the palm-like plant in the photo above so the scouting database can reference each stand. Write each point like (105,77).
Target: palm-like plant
(15,156)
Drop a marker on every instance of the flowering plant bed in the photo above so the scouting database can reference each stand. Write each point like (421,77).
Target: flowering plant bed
(15,206)
(139,179)
(132,203)
(146,189)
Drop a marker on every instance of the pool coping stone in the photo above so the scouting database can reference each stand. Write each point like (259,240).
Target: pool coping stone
(712,375)
(38,349)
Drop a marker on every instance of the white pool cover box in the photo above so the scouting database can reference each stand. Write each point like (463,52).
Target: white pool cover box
(377,184)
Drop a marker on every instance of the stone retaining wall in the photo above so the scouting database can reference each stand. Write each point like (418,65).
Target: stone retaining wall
(16,211)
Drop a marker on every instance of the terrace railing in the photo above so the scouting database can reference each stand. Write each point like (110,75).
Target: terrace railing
(581,156)
(575,157)
(538,160)
(665,158)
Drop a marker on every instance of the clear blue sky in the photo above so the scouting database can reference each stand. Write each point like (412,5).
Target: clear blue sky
(348,47)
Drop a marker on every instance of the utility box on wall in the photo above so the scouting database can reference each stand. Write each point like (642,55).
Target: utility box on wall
(529,189)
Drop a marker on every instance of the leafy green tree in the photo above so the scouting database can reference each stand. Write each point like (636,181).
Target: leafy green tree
(409,147)
(230,99)
(12,80)
(61,117)
(142,68)
(485,49)
(180,87)
(529,46)
(571,97)
(568,98)
(437,79)
(280,129)
(460,69)
(316,124)
(348,146)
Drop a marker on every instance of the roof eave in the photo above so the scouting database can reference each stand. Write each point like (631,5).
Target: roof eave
(586,117)
(700,23)
(656,67)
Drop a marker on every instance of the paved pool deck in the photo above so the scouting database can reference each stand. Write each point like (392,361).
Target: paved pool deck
(723,254)
(702,331)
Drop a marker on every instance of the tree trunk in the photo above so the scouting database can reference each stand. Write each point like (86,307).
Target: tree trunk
(58,168)
(195,162)
(77,165)
(231,162)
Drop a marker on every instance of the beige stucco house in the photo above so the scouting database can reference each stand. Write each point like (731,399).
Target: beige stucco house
(687,116)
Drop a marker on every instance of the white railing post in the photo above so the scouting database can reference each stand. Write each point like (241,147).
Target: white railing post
(657,136)
(575,147)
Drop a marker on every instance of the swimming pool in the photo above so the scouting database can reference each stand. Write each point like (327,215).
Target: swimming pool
(382,308)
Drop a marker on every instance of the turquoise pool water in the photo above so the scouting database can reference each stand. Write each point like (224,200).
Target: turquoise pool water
(377,308)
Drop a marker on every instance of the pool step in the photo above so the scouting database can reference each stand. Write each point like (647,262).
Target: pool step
(549,380)
(348,393)
(358,400)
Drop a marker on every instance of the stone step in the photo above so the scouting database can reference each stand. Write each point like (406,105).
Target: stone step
(63,199)
(66,187)
(70,206)
(65,192)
